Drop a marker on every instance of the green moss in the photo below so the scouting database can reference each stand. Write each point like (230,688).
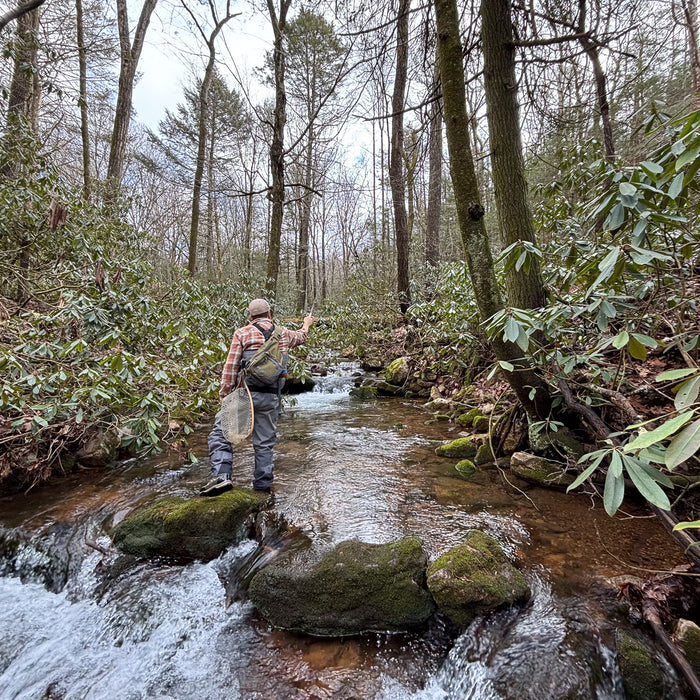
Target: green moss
(641,676)
(465,468)
(467,419)
(475,577)
(188,529)
(689,639)
(462,448)
(483,455)
(481,424)
(539,471)
(364,392)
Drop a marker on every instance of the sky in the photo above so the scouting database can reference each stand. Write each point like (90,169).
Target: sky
(172,56)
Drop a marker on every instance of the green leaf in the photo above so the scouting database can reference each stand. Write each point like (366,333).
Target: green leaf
(79,415)
(620,340)
(582,477)
(616,217)
(648,487)
(658,434)
(676,186)
(506,365)
(627,188)
(613,493)
(616,464)
(670,374)
(511,330)
(686,525)
(652,167)
(652,472)
(609,260)
(687,157)
(687,394)
(637,350)
(684,445)
(646,340)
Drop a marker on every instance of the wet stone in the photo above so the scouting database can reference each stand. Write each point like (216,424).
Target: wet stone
(354,588)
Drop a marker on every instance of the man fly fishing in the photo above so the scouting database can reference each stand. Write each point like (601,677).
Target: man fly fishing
(265,395)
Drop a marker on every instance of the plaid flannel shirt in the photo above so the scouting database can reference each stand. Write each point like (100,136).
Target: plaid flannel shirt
(250,338)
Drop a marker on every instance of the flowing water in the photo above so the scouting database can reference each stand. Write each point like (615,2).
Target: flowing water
(344,469)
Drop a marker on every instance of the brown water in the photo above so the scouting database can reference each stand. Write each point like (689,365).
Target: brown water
(344,469)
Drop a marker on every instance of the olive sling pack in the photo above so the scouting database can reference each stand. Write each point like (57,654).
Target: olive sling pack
(267,365)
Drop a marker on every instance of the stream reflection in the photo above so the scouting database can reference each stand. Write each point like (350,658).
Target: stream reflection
(344,468)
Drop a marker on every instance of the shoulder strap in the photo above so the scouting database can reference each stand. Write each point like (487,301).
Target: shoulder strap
(267,332)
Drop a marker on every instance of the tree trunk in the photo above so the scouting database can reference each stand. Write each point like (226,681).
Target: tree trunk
(22,9)
(279,23)
(202,127)
(130,54)
(84,128)
(591,49)
(304,225)
(397,179)
(525,287)
(432,230)
(470,211)
(20,101)
(690,12)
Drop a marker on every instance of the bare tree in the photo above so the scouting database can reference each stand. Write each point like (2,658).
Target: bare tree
(130,54)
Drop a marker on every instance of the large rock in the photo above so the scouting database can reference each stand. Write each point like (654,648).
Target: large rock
(687,635)
(473,578)
(461,448)
(188,529)
(354,588)
(397,372)
(100,450)
(539,471)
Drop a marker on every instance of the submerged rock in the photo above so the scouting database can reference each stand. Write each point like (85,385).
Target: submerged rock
(473,578)
(387,389)
(539,471)
(462,448)
(189,529)
(465,468)
(364,392)
(642,678)
(354,588)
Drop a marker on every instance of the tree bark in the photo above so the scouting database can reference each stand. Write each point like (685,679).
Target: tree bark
(690,12)
(279,23)
(397,178)
(525,288)
(432,231)
(130,54)
(304,225)
(532,391)
(22,9)
(22,86)
(84,127)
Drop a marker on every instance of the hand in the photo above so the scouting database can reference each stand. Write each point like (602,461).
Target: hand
(308,320)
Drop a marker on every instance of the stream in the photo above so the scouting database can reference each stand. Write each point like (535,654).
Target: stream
(344,469)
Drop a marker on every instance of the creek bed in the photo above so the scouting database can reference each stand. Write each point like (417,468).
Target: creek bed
(344,469)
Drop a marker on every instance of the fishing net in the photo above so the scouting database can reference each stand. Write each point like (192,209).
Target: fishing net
(237,415)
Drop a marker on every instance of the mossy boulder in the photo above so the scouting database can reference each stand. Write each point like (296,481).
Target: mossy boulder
(687,636)
(541,472)
(188,529)
(387,389)
(298,385)
(364,392)
(642,678)
(465,420)
(465,469)
(462,448)
(481,424)
(354,588)
(484,455)
(397,372)
(473,578)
